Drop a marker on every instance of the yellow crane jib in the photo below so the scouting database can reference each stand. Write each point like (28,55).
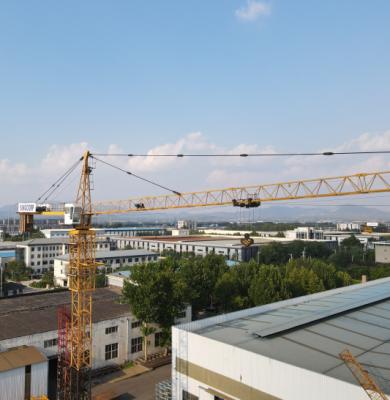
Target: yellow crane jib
(366,381)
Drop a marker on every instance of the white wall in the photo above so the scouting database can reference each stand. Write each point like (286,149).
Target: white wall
(276,378)
(39,379)
(12,384)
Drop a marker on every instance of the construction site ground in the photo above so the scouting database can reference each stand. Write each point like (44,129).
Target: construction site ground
(134,383)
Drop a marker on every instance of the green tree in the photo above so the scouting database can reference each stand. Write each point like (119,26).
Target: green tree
(155,295)
(352,241)
(268,286)
(101,280)
(301,281)
(17,271)
(199,276)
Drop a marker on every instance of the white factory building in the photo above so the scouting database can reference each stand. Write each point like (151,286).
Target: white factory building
(111,260)
(121,231)
(230,248)
(31,320)
(39,254)
(287,350)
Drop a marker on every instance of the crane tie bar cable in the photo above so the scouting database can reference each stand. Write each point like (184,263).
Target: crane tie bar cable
(243,155)
(58,182)
(137,176)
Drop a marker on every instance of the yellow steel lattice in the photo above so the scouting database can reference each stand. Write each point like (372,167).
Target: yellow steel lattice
(374,392)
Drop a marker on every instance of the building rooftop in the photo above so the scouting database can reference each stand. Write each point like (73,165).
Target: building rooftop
(20,357)
(312,330)
(135,228)
(37,313)
(50,241)
(197,240)
(100,255)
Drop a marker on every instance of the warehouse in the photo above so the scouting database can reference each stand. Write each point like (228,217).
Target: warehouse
(23,373)
(287,350)
(230,248)
(31,320)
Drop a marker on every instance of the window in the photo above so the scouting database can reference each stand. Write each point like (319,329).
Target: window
(181,314)
(111,329)
(158,339)
(136,345)
(135,324)
(50,343)
(111,351)
(189,396)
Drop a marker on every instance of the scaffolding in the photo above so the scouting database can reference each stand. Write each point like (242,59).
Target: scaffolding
(63,318)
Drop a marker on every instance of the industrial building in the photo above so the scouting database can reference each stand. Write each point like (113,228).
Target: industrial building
(231,249)
(39,254)
(382,252)
(31,320)
(23,373)
(287,350)
(108,259)
(121,231)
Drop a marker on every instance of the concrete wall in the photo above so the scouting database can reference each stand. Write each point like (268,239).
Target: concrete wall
(382,253)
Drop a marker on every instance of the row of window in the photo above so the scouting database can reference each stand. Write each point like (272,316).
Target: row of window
(46,255)
(50,343)
(33,263)
(111,329)
(45,248)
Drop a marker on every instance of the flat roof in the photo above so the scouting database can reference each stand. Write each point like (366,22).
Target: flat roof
(195,240)
(37,313)
(104,254)
(50,241)
(311,331)
(17,357)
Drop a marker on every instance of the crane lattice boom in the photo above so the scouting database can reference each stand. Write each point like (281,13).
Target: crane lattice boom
(374,392)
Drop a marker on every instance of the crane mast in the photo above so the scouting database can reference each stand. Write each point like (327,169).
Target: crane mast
(82,267)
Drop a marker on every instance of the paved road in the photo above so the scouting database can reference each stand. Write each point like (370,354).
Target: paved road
(140,387)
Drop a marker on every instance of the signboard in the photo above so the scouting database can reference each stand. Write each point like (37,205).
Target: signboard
(27,207)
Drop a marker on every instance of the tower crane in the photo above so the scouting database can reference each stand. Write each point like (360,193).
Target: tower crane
(366,381)
(74,378)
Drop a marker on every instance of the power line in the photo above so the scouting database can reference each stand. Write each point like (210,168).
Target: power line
(244,155)
(138,177)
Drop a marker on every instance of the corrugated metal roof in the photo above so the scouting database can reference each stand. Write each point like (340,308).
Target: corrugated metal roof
(311,331)
(20,357)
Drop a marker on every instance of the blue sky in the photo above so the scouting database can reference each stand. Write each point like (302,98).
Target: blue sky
(133,75)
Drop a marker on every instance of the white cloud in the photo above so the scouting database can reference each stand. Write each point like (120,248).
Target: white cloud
(24,182)
(253,10)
